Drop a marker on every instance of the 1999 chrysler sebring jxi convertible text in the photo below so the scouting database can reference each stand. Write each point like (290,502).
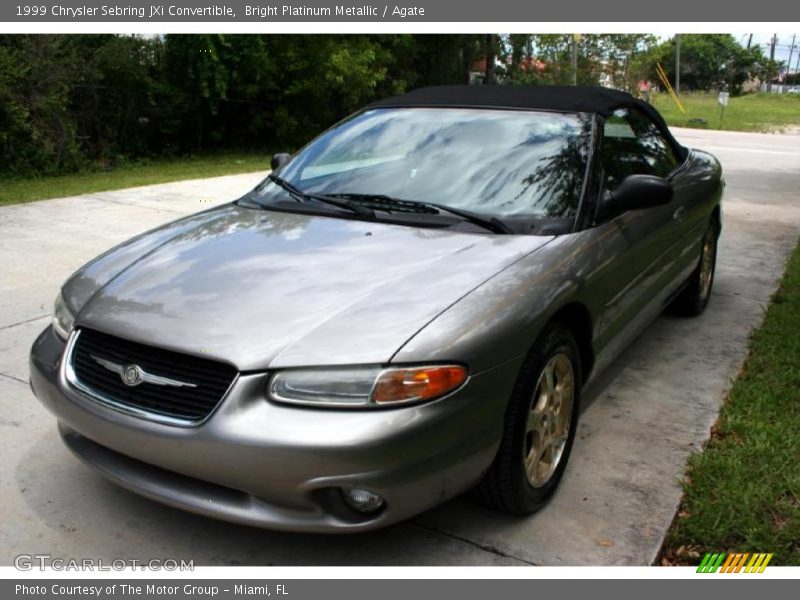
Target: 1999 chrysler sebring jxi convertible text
(405,309)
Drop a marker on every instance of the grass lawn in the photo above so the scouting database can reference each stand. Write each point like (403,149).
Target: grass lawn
(742,493)
(753,112)
(13,191)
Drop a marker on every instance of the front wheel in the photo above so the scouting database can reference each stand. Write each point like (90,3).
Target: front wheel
(539,427)
(694,298)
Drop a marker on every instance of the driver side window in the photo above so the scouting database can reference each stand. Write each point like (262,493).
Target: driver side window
(632,144)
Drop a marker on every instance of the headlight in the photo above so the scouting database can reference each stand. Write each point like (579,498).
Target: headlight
(63,319)
(366,386)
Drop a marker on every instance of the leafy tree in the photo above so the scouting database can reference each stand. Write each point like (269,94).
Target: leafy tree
(602,59)
(72,101)
(37,130)
(423,59)
(110,93)
(711,62)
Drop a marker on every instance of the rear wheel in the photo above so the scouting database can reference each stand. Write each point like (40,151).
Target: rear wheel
(694,298)
(539,427)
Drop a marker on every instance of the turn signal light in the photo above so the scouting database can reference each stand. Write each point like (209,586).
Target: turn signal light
(417,383)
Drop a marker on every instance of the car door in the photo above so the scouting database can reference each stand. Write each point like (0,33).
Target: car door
(656,234)
(645,243)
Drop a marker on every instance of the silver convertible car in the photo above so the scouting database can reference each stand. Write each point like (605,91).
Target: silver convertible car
(405,309)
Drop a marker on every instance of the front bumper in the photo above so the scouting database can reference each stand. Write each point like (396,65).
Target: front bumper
(264,464)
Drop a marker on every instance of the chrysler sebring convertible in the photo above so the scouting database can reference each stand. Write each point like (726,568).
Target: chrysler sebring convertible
(405,309)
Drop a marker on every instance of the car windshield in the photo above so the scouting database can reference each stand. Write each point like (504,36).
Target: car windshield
(488,161)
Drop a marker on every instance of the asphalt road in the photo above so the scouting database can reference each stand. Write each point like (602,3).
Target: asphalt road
(654,406)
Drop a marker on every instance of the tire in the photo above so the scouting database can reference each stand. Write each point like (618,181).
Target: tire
(694,298)
(508,485)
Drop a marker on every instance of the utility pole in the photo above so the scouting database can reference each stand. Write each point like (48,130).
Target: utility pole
(796,68)
(797,65)
(791,51)
(677,64)
(576,37)
(749,41)
(772,59)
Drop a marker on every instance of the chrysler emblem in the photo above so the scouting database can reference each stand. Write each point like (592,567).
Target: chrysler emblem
(133,375)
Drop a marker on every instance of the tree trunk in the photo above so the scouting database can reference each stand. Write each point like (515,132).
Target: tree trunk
(490,53)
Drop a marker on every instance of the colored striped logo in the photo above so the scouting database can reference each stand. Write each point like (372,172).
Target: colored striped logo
(734,562)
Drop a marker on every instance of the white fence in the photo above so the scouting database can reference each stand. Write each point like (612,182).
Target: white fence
(780,88)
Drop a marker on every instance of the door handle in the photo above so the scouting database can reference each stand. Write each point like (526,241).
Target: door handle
(679,213)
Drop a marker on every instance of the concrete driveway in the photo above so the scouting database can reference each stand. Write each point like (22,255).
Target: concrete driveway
(653,407)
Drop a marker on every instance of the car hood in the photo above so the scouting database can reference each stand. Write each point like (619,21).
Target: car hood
(264,289)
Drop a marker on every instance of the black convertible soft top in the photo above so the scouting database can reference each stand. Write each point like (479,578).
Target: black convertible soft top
(603,101)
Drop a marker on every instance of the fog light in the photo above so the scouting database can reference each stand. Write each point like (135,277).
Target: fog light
(361,500)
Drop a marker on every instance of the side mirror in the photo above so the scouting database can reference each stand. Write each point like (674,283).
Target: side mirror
(280,159)
(633,193)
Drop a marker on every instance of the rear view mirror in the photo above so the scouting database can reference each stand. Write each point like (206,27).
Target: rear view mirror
(280,159)
(633,193)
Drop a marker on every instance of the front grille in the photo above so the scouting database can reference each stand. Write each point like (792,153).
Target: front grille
(211,378)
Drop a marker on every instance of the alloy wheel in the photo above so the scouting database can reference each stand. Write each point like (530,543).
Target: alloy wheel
(707,265)
(548,423)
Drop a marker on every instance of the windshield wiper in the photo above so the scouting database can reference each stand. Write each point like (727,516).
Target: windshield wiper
(490,223)
(302,196)
(389,204)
